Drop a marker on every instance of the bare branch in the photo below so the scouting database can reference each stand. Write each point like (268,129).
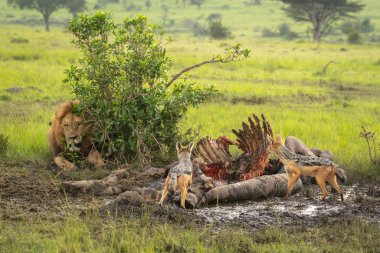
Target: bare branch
(326,66)
(232,53)
(175,77)
(370,138)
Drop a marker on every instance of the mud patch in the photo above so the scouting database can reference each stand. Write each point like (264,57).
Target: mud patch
(30,191)
(16,89)
(250,100)
(299,210)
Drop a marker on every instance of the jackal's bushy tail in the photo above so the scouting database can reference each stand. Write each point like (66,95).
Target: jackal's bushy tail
(173,180)
(341,175)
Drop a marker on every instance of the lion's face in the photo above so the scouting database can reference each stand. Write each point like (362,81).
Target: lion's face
(74,128)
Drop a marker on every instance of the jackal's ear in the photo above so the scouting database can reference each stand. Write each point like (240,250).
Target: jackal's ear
(178,146)
(190,146)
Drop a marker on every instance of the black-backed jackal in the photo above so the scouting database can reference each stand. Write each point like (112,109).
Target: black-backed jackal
(296,165)
(180,176)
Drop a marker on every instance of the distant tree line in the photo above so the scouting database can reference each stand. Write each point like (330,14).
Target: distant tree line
(47,7)
(323,15)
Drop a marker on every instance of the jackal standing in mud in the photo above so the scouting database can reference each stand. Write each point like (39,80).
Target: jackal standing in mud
(296,165)
(180,176)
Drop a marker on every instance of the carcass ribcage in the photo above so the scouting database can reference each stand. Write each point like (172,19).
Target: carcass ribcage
(252,139)
(215,156)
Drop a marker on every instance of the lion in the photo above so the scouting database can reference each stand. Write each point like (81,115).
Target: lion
(70,133)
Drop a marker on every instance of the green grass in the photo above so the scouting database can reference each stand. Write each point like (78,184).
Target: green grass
(94,234)
(244,21)
(283,80)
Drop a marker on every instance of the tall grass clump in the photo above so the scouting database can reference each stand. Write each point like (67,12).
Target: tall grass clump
(4,145)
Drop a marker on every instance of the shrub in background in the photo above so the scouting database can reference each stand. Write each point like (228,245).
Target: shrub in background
(284,29)
(354,38)
(195,27)
(19,40)
(364,26)
(266,32)
(126,89)
(4,145)
(218,31)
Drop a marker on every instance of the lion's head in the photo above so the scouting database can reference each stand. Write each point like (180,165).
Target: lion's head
(69,131)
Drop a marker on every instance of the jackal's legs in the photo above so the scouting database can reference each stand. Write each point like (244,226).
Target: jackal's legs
(182,183)
(292,179)
(321,183)
(332,181)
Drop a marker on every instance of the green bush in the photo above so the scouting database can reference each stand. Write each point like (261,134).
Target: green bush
(364,26)
(19,41)
(291,36)
(4,145)
(266,32)
(286,32)
(218,31)
(354,38)
(284,29)
(126,89)
(195,27)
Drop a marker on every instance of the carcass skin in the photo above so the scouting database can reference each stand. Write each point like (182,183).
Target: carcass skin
(297,146)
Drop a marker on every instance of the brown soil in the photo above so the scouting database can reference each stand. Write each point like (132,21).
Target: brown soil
(30,191)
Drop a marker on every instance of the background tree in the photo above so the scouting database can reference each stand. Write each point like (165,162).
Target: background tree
(76,6)
(165,13)
(198,3)
(148,4)
(47,7)
(321,13)
(366,26)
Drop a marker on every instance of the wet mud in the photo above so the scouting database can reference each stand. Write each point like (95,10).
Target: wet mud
(30,192)
(302,209)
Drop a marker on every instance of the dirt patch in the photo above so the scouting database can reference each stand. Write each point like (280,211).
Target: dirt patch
(250,100)
(30,191)
(299,98)
(16,89)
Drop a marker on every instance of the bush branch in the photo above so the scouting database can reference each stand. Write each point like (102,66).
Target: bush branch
(233,53)
(176,76)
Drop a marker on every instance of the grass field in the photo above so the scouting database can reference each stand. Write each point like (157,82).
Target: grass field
(95,235)
(282,79)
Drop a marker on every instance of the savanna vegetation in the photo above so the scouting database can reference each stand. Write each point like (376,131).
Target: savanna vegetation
(322,93)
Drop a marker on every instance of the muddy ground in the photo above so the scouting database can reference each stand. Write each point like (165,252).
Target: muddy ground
(31,191)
